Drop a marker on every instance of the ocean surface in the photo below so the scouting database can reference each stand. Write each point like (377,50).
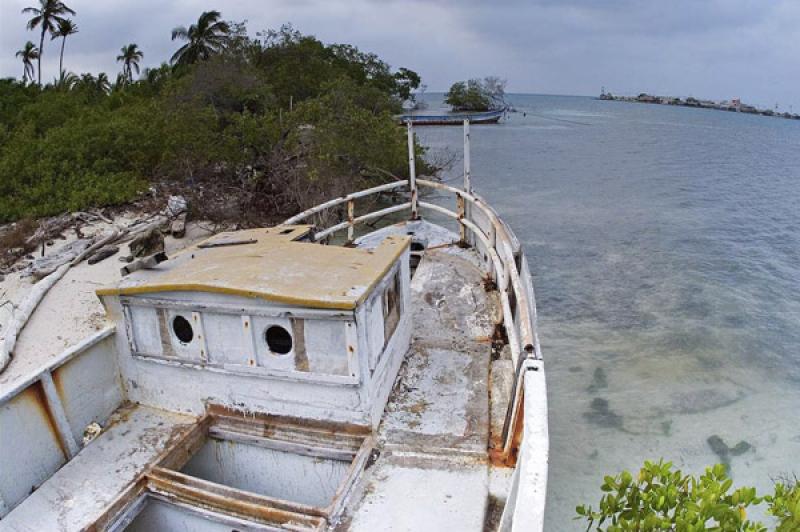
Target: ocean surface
(664,243)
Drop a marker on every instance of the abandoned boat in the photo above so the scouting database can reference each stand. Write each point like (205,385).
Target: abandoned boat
(454,119)
(267,379)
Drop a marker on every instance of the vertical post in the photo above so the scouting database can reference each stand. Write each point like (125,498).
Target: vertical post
(462,229)
(351,207)
(58,416)
(467,168)
(412,171)
(463,206)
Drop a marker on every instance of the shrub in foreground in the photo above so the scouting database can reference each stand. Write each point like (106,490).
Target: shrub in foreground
(663,498)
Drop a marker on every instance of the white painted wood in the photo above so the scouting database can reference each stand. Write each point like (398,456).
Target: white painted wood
(414,497)
(294,220)
(56,410)
(279,474)
(77,495)
(14,386)
(26,466)
(467,162)
(529,503)
(412,171)
(326,347)
(90,387)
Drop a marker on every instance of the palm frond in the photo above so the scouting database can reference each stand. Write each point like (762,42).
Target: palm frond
(180,32)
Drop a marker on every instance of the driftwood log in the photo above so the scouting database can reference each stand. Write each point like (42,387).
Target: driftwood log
(40,289)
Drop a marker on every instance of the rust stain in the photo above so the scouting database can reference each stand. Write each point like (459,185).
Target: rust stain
(498,456)
(226,412)
(34,394)
(174,485)
(59,385)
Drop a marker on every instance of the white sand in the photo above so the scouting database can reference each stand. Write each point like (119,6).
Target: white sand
(70,311)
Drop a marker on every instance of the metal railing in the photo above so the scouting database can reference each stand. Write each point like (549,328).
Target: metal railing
(480,226)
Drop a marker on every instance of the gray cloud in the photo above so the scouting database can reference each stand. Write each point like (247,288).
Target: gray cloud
(708,48)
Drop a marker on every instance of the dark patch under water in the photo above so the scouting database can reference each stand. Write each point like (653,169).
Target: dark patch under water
(665,248)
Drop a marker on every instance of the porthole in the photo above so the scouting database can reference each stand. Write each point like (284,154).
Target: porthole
(182,329)
(278,339)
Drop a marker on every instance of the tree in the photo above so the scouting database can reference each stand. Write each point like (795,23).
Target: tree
(407,81)
(130,57)
(477,94)
(95,86)
(496,89)
(67,81)
(47,15)
(102,84)
(28,53)
(64,28)
(206,38)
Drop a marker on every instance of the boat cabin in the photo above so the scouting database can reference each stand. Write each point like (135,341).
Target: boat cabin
(265,321)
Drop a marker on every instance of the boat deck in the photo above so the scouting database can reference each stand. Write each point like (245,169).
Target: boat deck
(430,468)
(435,430)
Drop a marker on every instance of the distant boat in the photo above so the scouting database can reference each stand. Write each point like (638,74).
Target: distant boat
(454,119)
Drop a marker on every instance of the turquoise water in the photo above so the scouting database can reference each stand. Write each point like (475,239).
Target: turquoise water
(665,248)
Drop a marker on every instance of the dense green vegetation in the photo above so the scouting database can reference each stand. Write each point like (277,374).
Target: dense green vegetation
(249,127)
(662,498)
(477,94)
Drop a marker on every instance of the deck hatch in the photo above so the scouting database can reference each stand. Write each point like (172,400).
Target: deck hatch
(260,470)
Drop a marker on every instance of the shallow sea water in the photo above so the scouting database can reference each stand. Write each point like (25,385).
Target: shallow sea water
(664,244)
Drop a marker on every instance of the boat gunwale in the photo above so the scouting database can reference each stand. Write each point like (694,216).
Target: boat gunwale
(29,378)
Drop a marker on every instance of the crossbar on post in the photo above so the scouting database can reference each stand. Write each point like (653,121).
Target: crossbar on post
(412,172)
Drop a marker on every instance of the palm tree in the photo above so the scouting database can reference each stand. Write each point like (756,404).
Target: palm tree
(207,37)
(64,28)
(102,84)
(28,53)
(130,57)
(67,81)
(47,15)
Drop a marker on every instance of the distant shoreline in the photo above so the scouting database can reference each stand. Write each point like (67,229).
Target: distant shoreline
(734,105)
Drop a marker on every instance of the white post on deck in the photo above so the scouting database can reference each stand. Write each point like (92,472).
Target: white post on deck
(467,169)
(463,208)
(412,171)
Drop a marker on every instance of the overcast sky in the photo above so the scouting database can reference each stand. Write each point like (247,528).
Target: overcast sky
(705,48)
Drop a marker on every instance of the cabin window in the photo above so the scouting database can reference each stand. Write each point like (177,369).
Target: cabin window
(182,329)
(278,340)
(391,307)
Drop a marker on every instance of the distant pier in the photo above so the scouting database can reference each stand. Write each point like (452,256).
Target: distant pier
(735,105)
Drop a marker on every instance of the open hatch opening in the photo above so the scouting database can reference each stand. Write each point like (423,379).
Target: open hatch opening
(252,470)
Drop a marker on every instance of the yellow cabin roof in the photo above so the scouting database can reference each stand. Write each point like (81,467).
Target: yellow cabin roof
(270,264)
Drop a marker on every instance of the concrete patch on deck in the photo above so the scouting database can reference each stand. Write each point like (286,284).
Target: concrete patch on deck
(404,497)
(441,395)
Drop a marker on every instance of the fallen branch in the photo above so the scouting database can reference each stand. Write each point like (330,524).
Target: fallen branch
(40,289)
